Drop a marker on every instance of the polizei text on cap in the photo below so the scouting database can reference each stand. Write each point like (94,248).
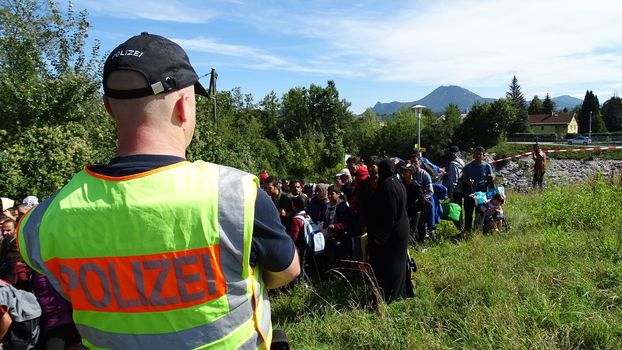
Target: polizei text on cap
(127,53)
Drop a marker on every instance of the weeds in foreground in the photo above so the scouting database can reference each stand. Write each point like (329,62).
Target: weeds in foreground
(553,281)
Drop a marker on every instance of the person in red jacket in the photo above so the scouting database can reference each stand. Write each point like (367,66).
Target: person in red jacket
(360,174)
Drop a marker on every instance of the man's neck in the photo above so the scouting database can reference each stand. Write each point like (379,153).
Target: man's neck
(147,141)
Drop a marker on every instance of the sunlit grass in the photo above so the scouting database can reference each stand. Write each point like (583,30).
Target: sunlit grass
(553,281)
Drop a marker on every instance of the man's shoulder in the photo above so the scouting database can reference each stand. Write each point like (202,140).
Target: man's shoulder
(223,169)
(458,162)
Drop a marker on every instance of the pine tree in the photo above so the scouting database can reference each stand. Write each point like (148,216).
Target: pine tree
(590,105)
(612,114)
(548,105)
(520,124)
(535,106)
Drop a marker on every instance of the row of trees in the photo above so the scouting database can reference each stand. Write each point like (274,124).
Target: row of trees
(52,121)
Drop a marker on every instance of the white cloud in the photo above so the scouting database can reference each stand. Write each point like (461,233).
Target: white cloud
(475,43)
(255,58)
(156,10)
(556,46)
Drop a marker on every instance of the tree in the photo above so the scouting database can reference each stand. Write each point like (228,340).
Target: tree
(548,106)
(452,116)
(535,106)
(362,137)
(45,75)
(515,95)
(590,107)
(485,124)
(612,114)
(399,135)
(270,115)
(51,115)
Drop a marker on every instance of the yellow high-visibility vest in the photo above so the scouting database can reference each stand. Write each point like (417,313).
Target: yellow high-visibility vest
(156,260)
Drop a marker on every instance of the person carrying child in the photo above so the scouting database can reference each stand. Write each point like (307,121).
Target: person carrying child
(490,214)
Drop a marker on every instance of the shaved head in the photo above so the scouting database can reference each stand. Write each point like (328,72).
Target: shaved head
(163,120)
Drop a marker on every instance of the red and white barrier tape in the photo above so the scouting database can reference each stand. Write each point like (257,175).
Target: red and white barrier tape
(584,149)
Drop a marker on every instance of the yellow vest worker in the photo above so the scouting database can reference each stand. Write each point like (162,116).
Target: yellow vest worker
(160,258)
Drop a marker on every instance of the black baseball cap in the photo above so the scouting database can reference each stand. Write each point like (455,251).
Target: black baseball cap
(163,63)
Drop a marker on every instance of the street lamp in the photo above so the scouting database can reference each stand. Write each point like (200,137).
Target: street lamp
(590,132)
(418,109)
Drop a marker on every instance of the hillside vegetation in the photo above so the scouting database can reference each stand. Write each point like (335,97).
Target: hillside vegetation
(552,281)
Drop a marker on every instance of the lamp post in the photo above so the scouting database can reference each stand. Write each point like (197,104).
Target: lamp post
(590,132)
(418,109)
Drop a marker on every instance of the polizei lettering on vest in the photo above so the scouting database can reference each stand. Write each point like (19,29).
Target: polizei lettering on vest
(142,283)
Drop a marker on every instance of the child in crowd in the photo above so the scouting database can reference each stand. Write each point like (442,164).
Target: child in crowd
(491,213)
(296,230)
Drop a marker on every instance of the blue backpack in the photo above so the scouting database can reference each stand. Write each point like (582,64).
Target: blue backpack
(313,236)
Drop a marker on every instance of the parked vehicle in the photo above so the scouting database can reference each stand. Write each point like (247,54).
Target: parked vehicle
(580,140)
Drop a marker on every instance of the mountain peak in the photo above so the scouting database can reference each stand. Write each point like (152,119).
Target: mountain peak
(437,100)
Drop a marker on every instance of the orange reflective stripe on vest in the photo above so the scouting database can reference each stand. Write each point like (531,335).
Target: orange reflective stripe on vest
(145,283)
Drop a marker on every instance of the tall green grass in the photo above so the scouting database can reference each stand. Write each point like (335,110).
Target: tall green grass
(553,281)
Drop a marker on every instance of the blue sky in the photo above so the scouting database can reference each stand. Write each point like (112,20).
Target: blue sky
(384,50)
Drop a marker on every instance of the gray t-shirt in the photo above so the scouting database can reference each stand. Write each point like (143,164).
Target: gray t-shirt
(20,304)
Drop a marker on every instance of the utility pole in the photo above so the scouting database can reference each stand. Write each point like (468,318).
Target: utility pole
(212,91)
(590,132)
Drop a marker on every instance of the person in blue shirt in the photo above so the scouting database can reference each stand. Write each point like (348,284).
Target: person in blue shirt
(476,176)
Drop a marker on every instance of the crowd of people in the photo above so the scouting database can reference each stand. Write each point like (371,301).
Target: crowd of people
(33,314)
(388,204)
(152,251)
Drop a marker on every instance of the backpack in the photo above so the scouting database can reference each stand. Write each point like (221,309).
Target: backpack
(313,236)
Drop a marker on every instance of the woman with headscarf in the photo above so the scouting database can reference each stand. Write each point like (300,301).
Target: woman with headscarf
(388,233)
(318,203)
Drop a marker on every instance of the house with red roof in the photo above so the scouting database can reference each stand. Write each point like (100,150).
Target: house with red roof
(559,124)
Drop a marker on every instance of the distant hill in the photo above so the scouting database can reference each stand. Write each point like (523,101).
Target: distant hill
(566,101)
(437,100)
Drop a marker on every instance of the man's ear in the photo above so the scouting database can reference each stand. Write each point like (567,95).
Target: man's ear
(107,105)
(181,108)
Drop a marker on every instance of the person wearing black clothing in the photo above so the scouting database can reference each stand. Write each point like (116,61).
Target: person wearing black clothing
(415,203)
(388,233)
(338,220)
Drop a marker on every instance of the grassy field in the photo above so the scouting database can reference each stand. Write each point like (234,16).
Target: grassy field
(553,281)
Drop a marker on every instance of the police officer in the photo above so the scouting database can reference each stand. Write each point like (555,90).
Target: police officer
(153,251)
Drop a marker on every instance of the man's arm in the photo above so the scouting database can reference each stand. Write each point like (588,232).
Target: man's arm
(273,249)
(278,279)
(5,323)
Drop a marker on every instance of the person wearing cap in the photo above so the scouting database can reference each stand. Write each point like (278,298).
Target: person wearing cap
(343,182)
(153,251)
(30,202)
